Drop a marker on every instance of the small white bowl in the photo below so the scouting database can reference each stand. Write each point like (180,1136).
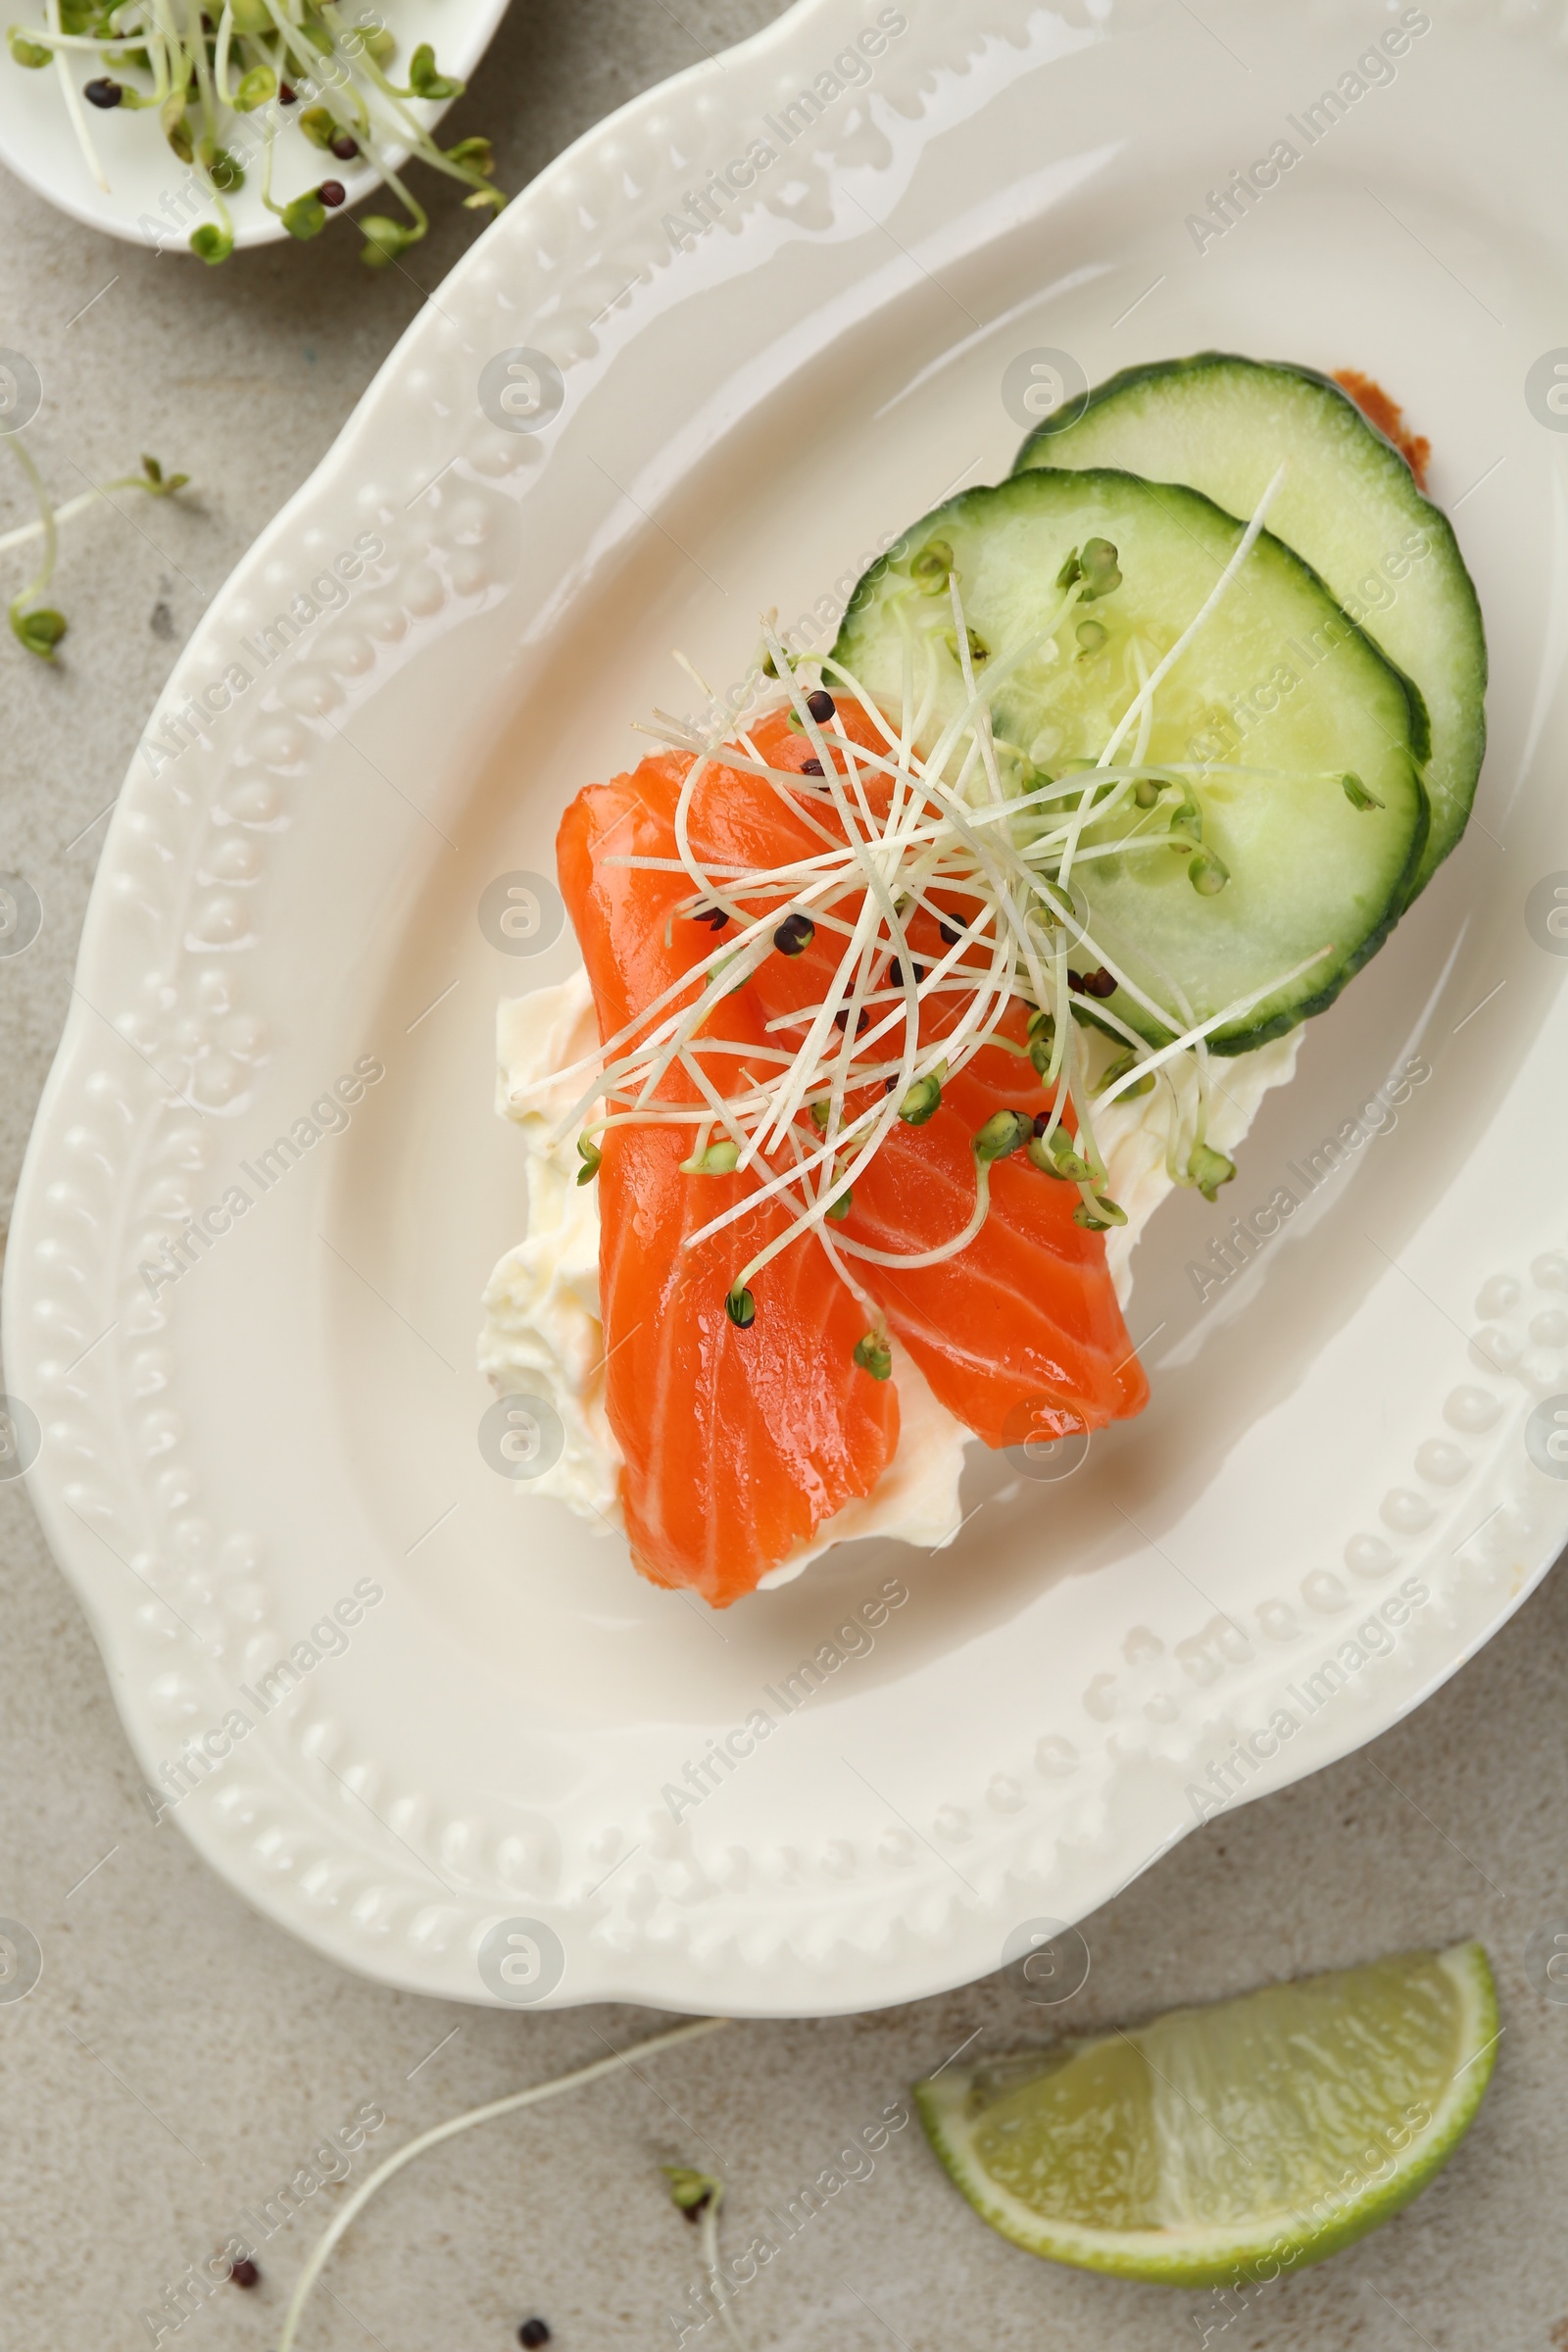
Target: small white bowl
(152,198)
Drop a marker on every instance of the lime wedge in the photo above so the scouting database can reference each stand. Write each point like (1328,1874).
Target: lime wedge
(1231,2142)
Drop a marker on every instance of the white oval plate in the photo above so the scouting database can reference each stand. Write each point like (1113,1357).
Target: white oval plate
(1330,1502)
(151,197)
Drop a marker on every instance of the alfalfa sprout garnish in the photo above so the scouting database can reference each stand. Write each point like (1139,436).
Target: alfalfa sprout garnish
(931,834)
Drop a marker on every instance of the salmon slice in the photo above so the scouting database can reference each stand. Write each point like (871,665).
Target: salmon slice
(1022,1330)
(737,1443)
(1387,414)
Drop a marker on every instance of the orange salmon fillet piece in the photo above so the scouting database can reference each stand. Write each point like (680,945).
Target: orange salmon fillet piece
(1021,1332)
(1385,414)
(1022,1329)
(737,1443)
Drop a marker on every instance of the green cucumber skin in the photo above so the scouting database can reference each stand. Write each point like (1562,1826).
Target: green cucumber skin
(990,506)
(1247,1041)
(1453,787)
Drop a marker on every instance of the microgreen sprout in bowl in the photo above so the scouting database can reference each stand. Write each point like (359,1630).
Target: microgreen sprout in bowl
(225,83)
(934,833)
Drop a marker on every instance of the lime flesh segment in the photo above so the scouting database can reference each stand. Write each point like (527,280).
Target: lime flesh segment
(1230,2142)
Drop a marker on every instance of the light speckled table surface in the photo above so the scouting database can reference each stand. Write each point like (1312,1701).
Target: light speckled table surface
(181,2061)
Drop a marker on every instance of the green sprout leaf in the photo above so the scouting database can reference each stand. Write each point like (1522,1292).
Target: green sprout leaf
(1188,823)
(1101,1218)
(1120,1068)
(922,1101)
(874,1356)
(1099,569)
(155,481)
(1057,1158)
(384,240)
(423,78)
(177,130)
(1042,1040)
(1210,1169)
(932,567)
(717,1160)
(692,2191)
(590,1154)
(41,631)
(319,126)
(474,154)
(1095,565)
(979,651)
(255,90)
(305,217)
(225,173)
(1005,1131)
(212,245)
(251,17)
(25,52)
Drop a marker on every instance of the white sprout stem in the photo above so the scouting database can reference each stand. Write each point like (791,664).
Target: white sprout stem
(86,40)
(78,120)
(196,47)
(352,2206)
(707,2221)
(939,842)
(98,495)
(225,35)
(1229,1013)
(1243,548)
(1078,1087)
(939,1256)
(47,525)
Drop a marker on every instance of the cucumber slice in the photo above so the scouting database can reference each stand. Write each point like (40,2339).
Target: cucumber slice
(1311,871)
(1348,506)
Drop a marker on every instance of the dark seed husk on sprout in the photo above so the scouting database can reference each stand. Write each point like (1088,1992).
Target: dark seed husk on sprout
(795,935)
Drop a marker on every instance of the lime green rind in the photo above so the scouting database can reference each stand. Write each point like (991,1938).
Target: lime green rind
(1261,2251)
